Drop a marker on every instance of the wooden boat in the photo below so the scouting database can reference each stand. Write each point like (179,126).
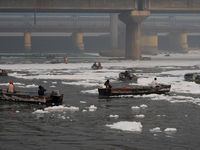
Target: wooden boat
(163,89)
(96,67)
(58,61)
(21,96)
(3,74)
(189,76)
(132,77)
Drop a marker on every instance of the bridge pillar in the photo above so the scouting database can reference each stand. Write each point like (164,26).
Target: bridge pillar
(113,31)
(150,44)
(77,41)
(178,42)
(27,42)
(113,52)
(133,21)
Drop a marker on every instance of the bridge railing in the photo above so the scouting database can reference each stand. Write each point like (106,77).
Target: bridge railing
(93,21)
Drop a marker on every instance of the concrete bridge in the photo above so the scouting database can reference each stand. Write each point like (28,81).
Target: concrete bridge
(133,12)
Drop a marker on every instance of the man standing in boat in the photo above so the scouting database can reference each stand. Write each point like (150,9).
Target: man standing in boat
(154,83)
(194,76)
(11,87)
(107,84)
(41,91)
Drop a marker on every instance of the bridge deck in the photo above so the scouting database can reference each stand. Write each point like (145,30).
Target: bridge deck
(104,6)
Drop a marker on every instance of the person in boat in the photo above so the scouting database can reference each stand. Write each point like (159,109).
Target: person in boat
(194,76)
(126,74)
(65,59)
(41,91)
(99,64)
(154,83)
(107,84)
(95,64)
(3,71)
(11,87)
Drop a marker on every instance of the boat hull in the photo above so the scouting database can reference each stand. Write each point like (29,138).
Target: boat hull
(134,90)
(3,74)
(95,68)
(32,97)
(129,78)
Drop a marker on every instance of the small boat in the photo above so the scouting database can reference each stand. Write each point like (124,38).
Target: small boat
(96,67)
(131,77)
(3,74)
(33,97)
(189,76)
(140,90)
(58,61)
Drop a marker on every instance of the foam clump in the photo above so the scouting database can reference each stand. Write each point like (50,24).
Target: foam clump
(40,112)
(61,108)
(157,129)
(92,108)
(143,106)
(140,116)
(127,126)
(135,107)
(170,130)
(114,116)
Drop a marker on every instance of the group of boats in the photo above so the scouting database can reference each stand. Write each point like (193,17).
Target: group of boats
(56,96)
(21,96)
(139,90)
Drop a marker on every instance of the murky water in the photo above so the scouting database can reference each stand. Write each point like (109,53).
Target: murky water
(22,129)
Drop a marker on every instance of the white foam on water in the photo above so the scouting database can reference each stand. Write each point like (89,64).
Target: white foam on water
(40,112)
(139,116)
(92,108)
(157,129)
(170,130)
(81,74)
(114,116)
(143,106)
(52,86)
(62,108)
(31,86)
(127,126)
(95,91)
(135,107)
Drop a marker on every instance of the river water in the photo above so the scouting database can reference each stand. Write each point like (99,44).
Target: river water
(85,121)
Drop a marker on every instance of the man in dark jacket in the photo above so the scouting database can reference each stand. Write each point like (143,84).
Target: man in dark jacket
(41,91)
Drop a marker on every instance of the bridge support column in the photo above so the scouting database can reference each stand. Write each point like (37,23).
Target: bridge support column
(178,42)
(27,42)
(113,52)
(133,21)
(77,41)
(113,31)
(150,44)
